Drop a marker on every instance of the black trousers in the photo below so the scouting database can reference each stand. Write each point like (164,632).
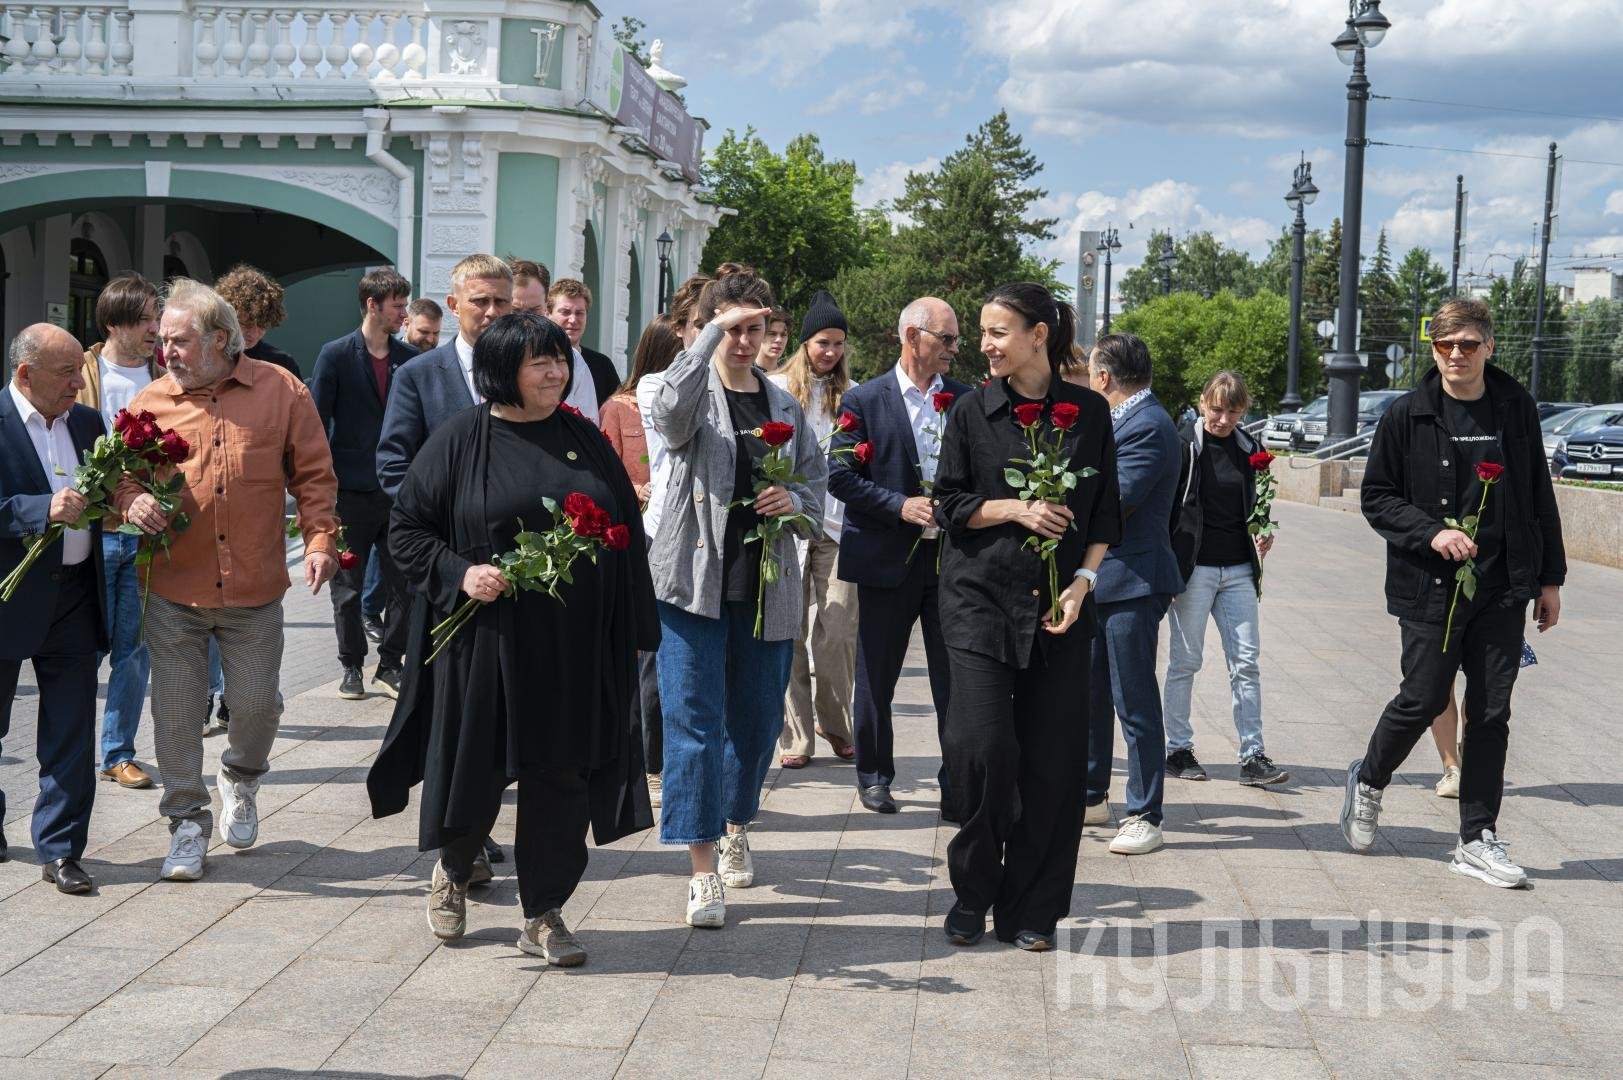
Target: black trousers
(650,718)
(549,849)
(65,668)
(885,619)
(1016,753)
(1487,643)
(365,515)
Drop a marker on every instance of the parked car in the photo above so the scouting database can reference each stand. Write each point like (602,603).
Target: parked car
(1372,405)
(1560,426)
(1594,453)
(1283,432)
(1547,409)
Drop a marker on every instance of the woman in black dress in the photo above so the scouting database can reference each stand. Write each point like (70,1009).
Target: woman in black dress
(1015,750)
(533,689)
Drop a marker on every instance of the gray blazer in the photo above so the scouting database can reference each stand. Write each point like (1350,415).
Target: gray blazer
(689,410)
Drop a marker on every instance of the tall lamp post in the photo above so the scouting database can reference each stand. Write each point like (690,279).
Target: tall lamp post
(664,243)
(1366,26)
(1302,193)
(1169,262)
(1109,242)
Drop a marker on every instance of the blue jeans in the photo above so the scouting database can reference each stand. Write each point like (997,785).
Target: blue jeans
(131,667)
(373,597)
(722,693)
(1228,594)
(1122,684)
(216,676)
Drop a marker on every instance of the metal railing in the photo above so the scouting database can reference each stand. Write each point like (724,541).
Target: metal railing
(1337,451)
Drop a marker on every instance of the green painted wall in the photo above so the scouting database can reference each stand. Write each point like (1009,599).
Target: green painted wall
(526,206)
(319,309)
(519,54)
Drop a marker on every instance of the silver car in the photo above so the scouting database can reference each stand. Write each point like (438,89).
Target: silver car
(1284,431)
(1557,427)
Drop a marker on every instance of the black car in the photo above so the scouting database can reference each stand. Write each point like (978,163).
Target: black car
(1594,454)
(1372,405)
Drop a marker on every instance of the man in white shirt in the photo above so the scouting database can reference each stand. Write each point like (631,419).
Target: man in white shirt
(593,376)
(115,371)
(55,617)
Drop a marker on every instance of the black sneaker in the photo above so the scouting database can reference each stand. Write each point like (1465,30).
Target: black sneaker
(374,627)
(1257,770)
(208,717)
(1182,764)
(386,680)
(964,927)
(352,689)
(221,722)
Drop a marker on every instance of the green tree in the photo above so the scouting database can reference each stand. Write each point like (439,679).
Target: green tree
(1204,267)
(1386,315)
(1274,272)
(1419,275)
(965,227)
(1191,337)
(797,223)
(1513,300)
(1595,350)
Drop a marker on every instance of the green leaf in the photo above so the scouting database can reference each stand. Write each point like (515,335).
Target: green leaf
(527,539)
(182,522)
(1088,471)
(127,529)
(1014,478)
(1468,586)
(1451,523)
(1068,481)
(1469,524)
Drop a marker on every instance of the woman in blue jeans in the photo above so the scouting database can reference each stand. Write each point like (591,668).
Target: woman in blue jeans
(720,684)
(1221,563)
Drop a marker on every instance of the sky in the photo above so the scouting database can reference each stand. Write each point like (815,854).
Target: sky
(1191,114)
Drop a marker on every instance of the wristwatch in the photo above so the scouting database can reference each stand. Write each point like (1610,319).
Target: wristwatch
(1084,572)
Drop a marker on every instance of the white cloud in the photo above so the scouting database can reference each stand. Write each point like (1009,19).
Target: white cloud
(1614,202)
(887,182)
(875,93)
(1138,212)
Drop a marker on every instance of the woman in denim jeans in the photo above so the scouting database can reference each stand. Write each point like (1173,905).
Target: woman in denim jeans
(1221,563)
(721,685)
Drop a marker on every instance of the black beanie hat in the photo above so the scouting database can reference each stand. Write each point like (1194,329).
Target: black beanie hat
(824,314)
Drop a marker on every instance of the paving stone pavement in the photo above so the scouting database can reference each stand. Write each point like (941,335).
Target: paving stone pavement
(1253,944)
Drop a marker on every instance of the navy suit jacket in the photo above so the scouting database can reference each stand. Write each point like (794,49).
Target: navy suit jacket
(874,542)
(25,507)
(1148,456)
(347,395)
(428,390)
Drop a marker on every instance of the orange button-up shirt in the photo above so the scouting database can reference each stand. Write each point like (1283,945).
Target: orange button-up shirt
(253,434)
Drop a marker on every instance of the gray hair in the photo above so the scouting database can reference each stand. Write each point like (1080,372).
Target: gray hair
(1127,359)
(25,349)
(916,314)
(209,311)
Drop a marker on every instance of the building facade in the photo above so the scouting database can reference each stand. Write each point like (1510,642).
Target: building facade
(175,137)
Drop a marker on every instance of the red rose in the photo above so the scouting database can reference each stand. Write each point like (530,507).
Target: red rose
(593,523)
(1261,460)
(776,432)
(348,560)
(847,423)
(174,447)
(137,435)
(1029,414)
(863,452)
(124,421)
(1489,471)
(148,418)
(941,401)
(577,505)
(1065,415)
(617,537)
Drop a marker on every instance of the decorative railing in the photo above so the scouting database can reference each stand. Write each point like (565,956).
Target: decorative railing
(268,42)
(48,41)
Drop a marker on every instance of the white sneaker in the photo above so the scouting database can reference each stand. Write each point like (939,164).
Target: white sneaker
(239,812)
(1360,810)
(1097,814)
(733,860)
(656,789)
(1137,836)
(1448,785)
(185,861)
(1487,859)
(707,902)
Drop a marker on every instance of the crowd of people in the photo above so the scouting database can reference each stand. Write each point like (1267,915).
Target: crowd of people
(769,534)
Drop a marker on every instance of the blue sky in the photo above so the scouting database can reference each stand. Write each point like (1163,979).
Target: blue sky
(1190,114)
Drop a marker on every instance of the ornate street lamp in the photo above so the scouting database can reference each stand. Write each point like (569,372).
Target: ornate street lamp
(1302,193)
(1109,243)
(1169,262)
(664,243)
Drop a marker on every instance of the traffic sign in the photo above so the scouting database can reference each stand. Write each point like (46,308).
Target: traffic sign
(1425,328)
(1395,352)
(1394,370)
(1327,329)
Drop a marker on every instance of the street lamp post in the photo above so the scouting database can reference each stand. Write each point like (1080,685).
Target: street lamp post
(1366,26)
(664,243)
(1108,243)
(1169,260)
(1302,193)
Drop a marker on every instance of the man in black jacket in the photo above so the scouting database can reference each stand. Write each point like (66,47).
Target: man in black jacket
(1458,485)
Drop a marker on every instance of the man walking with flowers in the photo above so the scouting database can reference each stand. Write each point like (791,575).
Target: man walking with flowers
(1458,486)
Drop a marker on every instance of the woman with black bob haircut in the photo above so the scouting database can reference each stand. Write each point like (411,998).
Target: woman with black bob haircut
(1015,745)
(533,689)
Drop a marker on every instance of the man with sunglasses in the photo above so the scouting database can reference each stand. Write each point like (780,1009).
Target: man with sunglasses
(1464,444)
(889,541)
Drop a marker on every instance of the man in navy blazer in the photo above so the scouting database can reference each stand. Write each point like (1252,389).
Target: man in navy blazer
(57,616)
(350,385)
(1136,583)
(882,471)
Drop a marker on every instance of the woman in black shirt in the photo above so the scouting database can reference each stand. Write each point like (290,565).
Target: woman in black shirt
(1014,749)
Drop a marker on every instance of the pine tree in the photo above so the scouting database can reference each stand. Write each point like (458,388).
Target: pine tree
(1386,315)
(1513,300)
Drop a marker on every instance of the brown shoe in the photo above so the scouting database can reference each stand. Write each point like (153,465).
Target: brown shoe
(127,774)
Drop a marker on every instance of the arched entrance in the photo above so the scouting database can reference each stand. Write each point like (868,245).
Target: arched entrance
(87,276)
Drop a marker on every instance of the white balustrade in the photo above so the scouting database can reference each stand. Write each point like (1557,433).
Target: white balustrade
(48,41)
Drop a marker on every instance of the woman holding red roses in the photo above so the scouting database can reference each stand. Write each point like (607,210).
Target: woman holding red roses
(534,689)
(1015,752)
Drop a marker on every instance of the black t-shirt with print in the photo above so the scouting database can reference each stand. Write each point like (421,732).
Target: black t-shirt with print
(740,562)
(1474,435)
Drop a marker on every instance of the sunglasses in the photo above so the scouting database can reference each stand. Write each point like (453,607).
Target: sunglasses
(1446,348)
(949,340)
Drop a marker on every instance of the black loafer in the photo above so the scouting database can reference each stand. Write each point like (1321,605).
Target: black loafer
(67,876)
(493,850)
(1032,941)
(877,798)
(964,927)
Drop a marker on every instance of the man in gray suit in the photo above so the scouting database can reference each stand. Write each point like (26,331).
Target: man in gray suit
(430,388)
(1136,583)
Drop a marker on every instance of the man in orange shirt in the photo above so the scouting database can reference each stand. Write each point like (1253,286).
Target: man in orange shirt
(254,435)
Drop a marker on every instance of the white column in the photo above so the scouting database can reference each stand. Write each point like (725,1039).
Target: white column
(160,35)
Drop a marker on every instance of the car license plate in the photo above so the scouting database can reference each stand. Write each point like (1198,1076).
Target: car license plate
(1598,468)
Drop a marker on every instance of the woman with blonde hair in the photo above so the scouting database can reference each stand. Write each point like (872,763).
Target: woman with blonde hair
(817,377)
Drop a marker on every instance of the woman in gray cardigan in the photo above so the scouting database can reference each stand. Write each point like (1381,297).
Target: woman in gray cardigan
(722,686)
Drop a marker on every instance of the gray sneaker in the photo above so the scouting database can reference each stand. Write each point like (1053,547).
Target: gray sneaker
(447,906)
(548,938)
(1360,811)
(481,872)
(1487,859)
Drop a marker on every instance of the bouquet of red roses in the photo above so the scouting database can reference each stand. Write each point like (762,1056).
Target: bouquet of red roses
(1489,473)
(774,470)
(138,447)
(1261,522)
(543,559)
(1046,476)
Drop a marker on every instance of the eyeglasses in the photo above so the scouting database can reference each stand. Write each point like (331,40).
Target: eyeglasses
(1446,348)
(949,340)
